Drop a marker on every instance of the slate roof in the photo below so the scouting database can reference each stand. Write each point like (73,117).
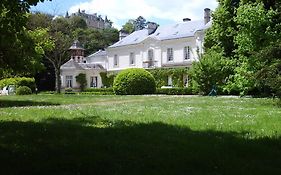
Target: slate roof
(179,30)
(174,31)
(71,64)
(76,46)
(134,38)
(98,54)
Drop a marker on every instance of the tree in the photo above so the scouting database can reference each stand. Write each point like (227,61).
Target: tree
(16,48)
(38,20)
(76,22)
(224,28)
(211,70)
(129,26)
(60,25)
(94,39)
(242,29)
(59,54)
(270,73)
(258,29)
(81,79)
(140,23)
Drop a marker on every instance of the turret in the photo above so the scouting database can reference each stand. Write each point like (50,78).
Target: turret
(77,52)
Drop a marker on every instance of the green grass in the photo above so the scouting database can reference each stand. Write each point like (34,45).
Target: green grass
(83,134)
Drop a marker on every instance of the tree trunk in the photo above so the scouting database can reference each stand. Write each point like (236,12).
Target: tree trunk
(58,80)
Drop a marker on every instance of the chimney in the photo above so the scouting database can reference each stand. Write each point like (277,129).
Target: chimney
(207,15)
(122,34)
(186,19)
(151,26)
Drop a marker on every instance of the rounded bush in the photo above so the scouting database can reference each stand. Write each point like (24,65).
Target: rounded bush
(23,90)
(134,81)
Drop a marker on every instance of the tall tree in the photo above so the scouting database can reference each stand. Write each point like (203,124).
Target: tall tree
(129,26)
(16,47)
(93,39)
(77,22)
(140,23)
(224,28)
(59,54)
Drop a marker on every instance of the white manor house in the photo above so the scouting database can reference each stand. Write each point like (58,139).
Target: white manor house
(175,45)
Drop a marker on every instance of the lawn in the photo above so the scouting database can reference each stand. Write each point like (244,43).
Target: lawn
(83,134)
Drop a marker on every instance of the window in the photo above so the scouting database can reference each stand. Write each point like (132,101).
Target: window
(132,58)
(170,80)
(170,54)
(186,53)
(185,81)
(94,82)
(68,81)
(115,61)
(150,55)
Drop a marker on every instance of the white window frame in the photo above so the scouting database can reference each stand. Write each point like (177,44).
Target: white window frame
(150,55)
(115,61)
(94,81)
(69,81)
(132,59)
(186,53)
(170,54)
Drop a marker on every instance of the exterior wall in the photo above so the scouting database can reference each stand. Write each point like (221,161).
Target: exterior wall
(102,60)
(89,73)
(123,54)
(159,51)
(178,51)
(70,72)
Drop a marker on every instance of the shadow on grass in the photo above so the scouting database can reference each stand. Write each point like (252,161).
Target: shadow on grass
(21,103)
(76,147)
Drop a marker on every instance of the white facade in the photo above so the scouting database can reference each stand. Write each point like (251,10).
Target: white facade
(92,76)
(174,48)
(176,45)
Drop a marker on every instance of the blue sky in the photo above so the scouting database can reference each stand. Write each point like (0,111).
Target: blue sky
(120,11)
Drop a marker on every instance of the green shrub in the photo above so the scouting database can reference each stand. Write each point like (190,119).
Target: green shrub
(99,91)
(212,70)
(107,80)
(174,91)
(19,81)
(23,90)
(81,79)
(134,82)
(161,76)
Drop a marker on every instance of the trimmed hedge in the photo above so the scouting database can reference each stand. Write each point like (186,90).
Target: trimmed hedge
(174,91)
(134,81)
(19,81)
(99,91)
(23,90)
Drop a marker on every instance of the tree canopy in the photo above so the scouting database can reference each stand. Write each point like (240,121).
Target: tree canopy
(17,49)
(247,33)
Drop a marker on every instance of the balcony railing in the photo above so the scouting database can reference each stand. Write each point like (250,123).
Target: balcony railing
(149,64)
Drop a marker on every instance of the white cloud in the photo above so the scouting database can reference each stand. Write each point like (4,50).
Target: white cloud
(173,10)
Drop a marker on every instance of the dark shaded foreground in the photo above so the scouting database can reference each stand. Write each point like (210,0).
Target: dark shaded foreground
(72,147)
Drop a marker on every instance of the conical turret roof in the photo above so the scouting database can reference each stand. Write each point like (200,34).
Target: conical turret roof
(76,46)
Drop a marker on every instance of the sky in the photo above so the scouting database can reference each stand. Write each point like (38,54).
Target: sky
(120,11)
